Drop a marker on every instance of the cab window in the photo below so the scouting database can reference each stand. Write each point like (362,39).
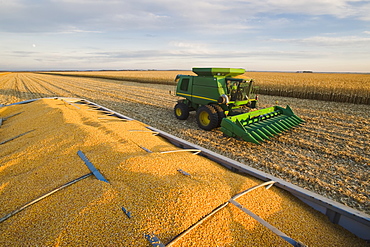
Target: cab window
(184,84)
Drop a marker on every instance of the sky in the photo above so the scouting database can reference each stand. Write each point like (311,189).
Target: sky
(257,35)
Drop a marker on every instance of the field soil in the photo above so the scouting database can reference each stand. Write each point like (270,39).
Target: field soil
(329,154)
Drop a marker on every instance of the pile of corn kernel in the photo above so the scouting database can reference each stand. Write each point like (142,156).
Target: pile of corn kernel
(143,181)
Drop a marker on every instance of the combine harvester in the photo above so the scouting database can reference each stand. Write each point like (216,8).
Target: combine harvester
(74,173)
(220,98)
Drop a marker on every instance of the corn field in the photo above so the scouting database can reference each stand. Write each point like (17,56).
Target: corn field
(349,88)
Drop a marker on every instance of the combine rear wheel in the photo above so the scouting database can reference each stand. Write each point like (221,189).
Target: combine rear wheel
(181,111)
(207,117)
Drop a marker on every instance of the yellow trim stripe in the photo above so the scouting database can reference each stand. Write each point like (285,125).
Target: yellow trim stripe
(195,96)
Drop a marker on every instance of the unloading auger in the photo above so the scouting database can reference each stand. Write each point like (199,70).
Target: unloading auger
(221,99)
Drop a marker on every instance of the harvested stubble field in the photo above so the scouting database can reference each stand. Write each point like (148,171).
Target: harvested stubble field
(329,154)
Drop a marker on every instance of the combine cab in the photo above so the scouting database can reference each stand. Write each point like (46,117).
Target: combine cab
(221,99)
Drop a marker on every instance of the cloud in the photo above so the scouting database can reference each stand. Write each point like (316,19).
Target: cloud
(23,53)
(339,8)
(221,16)
(214,55)
(328,41)
(176,58)
(188,45)
(72,29)
(362,11)
(103,32)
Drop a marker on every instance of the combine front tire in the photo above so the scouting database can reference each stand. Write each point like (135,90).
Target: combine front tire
(207,117)
(181,111)
(220,113)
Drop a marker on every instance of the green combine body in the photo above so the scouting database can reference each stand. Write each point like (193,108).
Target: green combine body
(221,99)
